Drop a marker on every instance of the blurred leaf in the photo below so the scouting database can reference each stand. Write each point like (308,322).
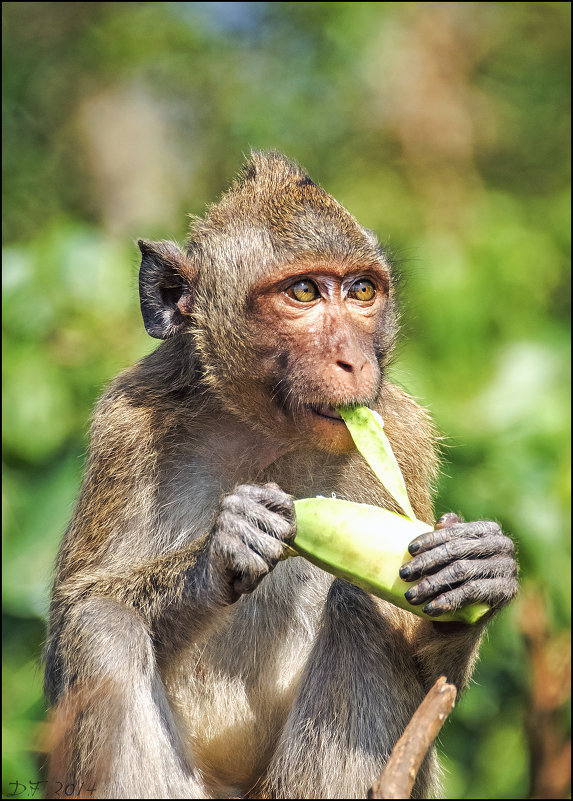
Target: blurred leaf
(38,515)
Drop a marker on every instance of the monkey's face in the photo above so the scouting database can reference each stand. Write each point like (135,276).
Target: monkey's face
(285,301)
(318,329)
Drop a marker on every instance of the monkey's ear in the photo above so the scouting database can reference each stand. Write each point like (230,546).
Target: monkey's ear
(165,279)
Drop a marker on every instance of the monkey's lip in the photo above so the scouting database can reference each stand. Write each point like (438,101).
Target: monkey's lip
(324,410)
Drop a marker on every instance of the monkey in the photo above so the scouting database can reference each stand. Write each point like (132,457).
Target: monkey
(185,656)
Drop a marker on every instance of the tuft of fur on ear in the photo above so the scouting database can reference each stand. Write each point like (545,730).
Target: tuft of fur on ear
(166,279)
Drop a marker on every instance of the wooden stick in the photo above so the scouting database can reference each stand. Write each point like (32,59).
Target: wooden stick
(399,775)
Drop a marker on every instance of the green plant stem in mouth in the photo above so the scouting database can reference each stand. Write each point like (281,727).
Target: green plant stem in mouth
(367,430)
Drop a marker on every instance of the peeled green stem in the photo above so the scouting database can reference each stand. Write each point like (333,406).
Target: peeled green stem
(367,546)
(367,430)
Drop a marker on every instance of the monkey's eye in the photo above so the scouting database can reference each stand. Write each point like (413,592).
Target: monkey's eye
(363,289)
(303,291)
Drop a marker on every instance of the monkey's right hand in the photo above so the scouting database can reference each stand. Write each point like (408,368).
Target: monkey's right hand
(248,537)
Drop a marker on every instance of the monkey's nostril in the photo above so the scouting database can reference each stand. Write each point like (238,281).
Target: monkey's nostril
(348,368)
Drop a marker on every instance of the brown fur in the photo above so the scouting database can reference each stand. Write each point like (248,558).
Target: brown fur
(301,688)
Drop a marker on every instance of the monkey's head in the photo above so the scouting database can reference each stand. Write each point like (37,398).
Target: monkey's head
(285,300)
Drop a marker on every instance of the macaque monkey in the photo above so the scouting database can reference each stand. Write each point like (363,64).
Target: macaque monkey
(185,657)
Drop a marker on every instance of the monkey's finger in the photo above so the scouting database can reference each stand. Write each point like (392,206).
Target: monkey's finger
(238,533)
(248,578)
(455,574)
(269,495)
(245,506)
(448,520)
(268,547)
(261,493)
(271,523)
(496,592)
(236,562)
(272,485)
(243,550)
(430,539)
(430,561)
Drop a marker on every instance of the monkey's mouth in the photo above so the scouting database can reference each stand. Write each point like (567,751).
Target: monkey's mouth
(325,428)
(324,410)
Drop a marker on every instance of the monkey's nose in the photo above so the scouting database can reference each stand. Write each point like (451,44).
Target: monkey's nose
(350,376)
(351,365)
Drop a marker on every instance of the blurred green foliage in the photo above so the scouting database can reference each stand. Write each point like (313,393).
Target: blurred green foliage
(444,127)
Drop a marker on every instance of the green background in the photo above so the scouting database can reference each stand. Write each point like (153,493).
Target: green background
(444,127)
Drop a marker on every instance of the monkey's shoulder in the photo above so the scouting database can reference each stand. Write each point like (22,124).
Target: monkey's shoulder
(140,404)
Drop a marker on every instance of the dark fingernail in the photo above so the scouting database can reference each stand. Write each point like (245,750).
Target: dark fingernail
(404,572)
(430,610)
(410,594)
(414,547)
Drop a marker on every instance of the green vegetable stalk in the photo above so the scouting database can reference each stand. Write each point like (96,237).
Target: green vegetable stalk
(364,544)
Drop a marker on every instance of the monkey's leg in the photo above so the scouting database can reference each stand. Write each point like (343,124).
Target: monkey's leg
(358,692)
(113,730)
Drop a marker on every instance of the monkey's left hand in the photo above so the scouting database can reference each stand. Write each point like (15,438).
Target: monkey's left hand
(460,564)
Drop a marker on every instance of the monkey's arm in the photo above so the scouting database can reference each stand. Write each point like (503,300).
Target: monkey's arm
(458,564)
(177,593)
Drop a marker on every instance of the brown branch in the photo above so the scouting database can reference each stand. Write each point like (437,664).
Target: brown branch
(549,654)
(400,773)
